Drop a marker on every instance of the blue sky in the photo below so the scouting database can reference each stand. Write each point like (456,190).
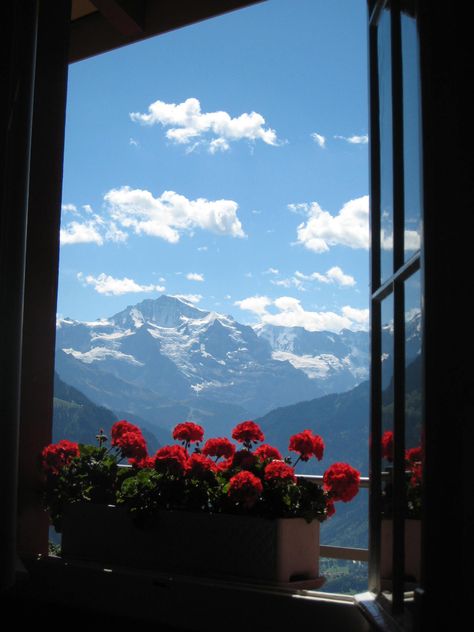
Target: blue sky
(226,162)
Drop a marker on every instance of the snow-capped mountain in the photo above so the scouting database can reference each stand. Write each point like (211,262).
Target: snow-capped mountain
(341,360)
(167,354)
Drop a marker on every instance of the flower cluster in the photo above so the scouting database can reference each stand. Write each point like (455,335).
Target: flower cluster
(254,479)
(413,477)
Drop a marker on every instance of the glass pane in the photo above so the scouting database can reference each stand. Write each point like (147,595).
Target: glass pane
(387,440)
(411,134)
(386,162)
(413,429)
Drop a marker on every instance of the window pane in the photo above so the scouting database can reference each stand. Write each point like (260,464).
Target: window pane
(411,134)
(387,439)
(386,161)
(413,426)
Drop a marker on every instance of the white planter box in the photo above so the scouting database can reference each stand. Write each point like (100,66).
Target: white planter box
(281,550)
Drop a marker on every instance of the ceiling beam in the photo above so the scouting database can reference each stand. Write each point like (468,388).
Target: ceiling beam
(96,33)
(126,16)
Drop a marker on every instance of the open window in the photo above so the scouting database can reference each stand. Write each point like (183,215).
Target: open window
(403,277)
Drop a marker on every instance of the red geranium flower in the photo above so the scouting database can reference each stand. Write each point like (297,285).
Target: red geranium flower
(219,447)
(307,444)
(330,508)
(199,466)
(247,432)
(223,466)
(132,445)
(416,474)
(342,481)
(58,455)
(267,452)
(245,489)
(189,432)
(387,445)
(120,427)
(244,459)
(414,455)
(279,470)
(171,459)
(146,463)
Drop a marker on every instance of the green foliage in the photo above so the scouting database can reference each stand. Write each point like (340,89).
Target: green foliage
(90,477)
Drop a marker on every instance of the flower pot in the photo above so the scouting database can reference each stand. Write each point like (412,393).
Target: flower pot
(280,550)
(412,561)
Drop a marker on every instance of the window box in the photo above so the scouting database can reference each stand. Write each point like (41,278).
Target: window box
(283,551)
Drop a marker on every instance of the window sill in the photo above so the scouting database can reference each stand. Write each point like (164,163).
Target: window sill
(182,602)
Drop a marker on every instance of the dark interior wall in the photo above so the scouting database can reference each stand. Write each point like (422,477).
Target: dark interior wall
(447,70)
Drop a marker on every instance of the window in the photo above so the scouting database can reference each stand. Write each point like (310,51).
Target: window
(397,423)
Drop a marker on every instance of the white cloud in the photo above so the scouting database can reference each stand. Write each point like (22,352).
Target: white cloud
(202,248)
(77,233)
(337,276)
(272,271)
(290,282)
(290,313)
(109,286)
(412,240)
(133,142)
(359,316)
(189,298)
(255,304)
(334,275)
(186,122)
(350,227)
(171,214)
(355,140)
(319,139)
(194,276)
(69,208)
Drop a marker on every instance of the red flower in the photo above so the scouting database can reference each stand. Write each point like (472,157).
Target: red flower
(120,427)
(267,452)
(342,481)
(223,466)
(146,463)
(199,466)
(307,444)
(416,474)
(132,445)
(171,459)
(188,432)
(279,470)
(244,459)
(330,508)
(245,489)
(414,455)
(219,447)
(58,455)
(387,445)
(246,432)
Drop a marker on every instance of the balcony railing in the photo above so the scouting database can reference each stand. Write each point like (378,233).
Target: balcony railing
(340,552)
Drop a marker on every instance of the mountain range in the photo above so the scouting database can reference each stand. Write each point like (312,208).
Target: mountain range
(166,360)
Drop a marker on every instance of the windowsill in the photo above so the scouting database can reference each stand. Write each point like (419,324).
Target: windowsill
(184,602)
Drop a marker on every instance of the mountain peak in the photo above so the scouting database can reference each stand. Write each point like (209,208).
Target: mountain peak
(164,311)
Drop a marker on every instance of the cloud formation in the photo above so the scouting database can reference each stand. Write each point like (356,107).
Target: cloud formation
(334,275)
(88,232)
(189,298)
(319,139)
(350,227)
(187,124)
(355,140)
(195,276)
(171,214)
(109,286)
(288,312)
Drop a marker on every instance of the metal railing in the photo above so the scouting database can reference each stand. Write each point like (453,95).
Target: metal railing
(340,552)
